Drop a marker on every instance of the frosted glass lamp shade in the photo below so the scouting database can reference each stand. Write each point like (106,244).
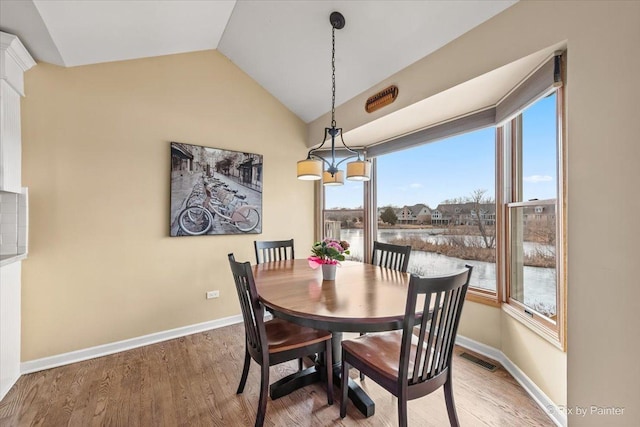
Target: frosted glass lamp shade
(360,170)
(336,179)
(309,169)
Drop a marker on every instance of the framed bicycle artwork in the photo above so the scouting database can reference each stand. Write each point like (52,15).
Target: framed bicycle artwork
(214,191)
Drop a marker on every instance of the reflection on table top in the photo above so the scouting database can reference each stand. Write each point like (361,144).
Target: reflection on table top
(363,298)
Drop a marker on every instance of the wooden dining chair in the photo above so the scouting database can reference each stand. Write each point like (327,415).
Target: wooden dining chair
(415,361)
(275,341)
(274,250)
(391,256)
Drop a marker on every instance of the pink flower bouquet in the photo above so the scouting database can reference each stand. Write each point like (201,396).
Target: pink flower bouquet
(328,251)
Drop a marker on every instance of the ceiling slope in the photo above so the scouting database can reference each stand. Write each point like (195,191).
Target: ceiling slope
(284,45)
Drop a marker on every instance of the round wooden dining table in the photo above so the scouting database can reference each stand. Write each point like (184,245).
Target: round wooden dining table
(362,298)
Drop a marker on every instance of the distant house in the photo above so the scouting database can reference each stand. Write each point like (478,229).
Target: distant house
(423,214)
(437,217)
(544,212)
(420,213)
(404,214)
(463,214)
(415,214)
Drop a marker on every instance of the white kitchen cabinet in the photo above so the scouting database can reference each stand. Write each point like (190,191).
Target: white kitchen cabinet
(14,61)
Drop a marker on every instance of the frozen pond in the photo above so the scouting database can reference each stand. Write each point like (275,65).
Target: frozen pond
(539,283)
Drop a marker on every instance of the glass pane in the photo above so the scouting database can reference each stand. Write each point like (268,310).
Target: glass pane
(539,176)
(343,215)
(439,198)
(533,257)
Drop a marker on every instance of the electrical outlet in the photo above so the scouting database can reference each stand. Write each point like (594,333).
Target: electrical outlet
(213,294)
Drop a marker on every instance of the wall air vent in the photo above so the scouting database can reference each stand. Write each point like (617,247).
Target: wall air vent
(382,98)
(483,363)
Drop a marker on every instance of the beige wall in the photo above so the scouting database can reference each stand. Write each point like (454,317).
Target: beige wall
(543,363)
(481,323)
(603,38)
(96,160)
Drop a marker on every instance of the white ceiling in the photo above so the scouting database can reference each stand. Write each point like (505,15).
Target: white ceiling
(284,45)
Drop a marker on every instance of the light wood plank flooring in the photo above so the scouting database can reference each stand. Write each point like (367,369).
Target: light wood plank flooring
(191,381)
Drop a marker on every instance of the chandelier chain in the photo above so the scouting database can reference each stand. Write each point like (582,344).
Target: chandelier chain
(333,76)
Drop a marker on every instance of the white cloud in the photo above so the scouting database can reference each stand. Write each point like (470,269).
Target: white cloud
(537,178)
(415,185)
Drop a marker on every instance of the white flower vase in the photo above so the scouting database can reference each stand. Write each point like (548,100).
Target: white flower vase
(329,271)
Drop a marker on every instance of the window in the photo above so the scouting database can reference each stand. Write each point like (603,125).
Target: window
(343,215)
(486,189)
(456,174)
(534,275)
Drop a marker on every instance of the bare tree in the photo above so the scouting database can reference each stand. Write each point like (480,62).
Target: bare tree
(487,232)
(455,201)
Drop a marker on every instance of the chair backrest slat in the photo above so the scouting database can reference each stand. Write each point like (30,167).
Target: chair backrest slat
(252,309)
(274,250)
(421,350)
(449,336)
(443,311)
(391,256)
(436,332)
(431,338)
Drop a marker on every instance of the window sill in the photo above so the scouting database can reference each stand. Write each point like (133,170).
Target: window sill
(546,333)
(483,297)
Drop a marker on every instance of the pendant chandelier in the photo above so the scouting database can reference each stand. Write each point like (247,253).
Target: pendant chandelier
(312,167)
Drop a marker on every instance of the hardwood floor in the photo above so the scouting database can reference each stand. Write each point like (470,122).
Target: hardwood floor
(191,381)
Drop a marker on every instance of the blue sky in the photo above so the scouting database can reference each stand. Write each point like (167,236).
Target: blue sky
(457,166)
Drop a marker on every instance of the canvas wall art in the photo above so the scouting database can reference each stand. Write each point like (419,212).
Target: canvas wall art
(214,191)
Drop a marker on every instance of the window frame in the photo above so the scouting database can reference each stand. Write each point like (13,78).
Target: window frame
(554,332)
(480,295)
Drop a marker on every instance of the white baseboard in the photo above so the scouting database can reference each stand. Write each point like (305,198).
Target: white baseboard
(116,347)
(559,418)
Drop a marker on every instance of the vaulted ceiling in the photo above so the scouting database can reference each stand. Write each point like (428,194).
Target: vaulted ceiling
(284,45)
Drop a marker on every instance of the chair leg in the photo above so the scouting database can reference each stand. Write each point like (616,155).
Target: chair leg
(361,374)
(451,406)
(344,387)
(402,411)
(328,359)
(264,393)
(245,371)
